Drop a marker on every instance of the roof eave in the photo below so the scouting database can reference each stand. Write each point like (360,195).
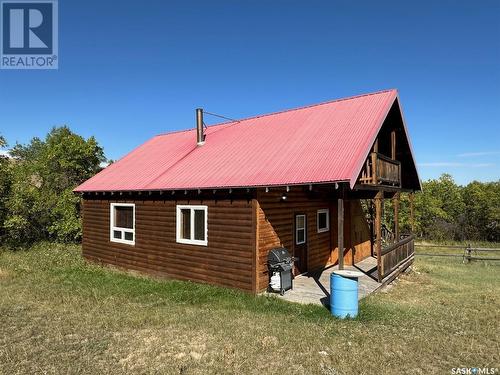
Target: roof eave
(329,182)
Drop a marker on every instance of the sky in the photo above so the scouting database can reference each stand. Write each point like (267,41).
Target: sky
(129,70)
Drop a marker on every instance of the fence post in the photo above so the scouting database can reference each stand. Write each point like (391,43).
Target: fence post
(469,253)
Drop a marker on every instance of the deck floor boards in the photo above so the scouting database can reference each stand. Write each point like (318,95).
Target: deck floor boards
(314,288)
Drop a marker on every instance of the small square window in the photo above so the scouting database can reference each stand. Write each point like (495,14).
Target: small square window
(323,219)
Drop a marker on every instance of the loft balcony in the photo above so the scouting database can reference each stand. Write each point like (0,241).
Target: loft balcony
(381,170)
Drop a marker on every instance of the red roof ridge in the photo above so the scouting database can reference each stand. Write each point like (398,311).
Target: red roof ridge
(283,111)
(311,105)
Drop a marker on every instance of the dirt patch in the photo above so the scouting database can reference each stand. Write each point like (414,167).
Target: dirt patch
(4,274)
(141,349)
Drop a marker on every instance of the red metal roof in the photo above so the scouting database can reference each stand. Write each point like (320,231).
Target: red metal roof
(326,142)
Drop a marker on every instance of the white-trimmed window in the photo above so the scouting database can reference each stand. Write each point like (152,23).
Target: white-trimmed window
(122,223)
(323,220)
(300,229)
(191,225)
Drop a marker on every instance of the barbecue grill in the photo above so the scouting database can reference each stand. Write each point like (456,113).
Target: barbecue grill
(280,264)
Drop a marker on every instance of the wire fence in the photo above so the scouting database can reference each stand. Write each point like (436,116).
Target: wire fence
(467,252)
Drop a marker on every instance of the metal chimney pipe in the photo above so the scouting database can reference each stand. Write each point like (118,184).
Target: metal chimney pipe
(200,137)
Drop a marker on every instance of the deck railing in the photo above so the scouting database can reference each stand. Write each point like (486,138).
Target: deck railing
(381,170)
(395,255)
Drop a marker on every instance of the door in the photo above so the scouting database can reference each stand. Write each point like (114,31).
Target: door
(300,243)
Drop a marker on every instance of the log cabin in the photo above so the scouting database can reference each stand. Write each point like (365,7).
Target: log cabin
(207,204)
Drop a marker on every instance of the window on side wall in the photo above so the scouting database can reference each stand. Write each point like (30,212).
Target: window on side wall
(122,223)
(191,225)
(300,229)
(323,220)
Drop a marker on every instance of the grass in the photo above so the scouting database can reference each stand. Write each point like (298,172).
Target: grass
(61,315)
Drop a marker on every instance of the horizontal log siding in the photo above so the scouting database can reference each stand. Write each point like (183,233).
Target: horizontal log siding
(226,261)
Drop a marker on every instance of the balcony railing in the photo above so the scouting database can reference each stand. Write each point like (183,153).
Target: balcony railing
(395,255)
(381,170)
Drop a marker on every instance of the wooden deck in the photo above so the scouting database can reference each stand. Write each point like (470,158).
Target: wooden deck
(315,288)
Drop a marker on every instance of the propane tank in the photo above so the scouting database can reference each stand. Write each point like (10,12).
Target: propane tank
(275,281)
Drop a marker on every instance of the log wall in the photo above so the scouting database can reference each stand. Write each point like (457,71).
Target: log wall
(241,232)
(228,260)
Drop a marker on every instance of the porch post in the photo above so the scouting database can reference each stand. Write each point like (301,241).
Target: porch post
(412,218)
(378,231)
(340,227)
(373,157)
(372,227)
(395,202)
(374,168)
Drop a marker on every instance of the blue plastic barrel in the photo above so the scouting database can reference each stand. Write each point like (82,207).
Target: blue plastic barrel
(344,293)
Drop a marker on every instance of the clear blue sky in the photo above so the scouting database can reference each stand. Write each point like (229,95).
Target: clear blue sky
(129,70)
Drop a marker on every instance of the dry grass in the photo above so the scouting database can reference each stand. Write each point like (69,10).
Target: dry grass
(60,315)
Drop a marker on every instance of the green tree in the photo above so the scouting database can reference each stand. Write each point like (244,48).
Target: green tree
(41,204)
(447,211)
(439,209)
(482,211)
